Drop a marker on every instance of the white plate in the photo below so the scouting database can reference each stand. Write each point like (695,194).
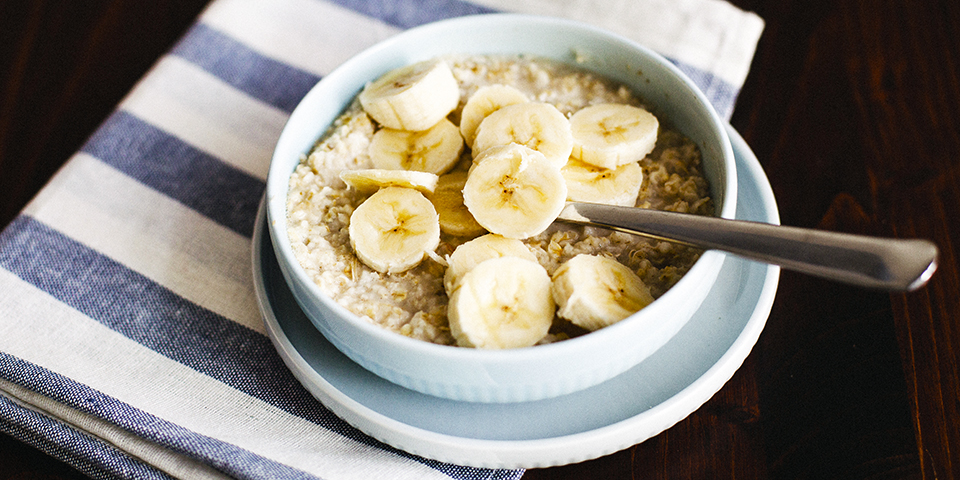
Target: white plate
(623,411)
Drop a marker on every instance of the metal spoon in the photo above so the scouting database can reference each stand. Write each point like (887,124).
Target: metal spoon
(892,264)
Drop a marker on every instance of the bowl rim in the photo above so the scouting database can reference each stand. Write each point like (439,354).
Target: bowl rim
(709,259)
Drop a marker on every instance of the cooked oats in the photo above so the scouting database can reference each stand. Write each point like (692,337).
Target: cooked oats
(413,303)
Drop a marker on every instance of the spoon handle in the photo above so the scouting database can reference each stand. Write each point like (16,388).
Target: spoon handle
(892,264)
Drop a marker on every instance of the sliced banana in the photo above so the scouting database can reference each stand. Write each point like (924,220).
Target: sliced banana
(483,102)
(514,191)
(447,198)
(539,126)
(502,303)
(593,291)
(470,254)
(414,97)
(394,229)
(590,183)
(435,150)
(370,180)
(609,135)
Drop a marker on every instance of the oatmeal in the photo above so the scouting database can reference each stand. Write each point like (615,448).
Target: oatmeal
(414,301)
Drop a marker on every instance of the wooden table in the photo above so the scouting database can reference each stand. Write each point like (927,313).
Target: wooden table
(853,108)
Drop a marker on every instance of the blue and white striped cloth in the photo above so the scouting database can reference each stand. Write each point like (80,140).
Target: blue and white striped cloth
(130,341)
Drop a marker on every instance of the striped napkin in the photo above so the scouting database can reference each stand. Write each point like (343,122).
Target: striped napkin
(131,344)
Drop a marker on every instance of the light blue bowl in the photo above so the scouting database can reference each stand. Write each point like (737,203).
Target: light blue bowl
(523,374)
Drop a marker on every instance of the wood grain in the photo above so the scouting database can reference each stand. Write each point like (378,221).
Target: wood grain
(907,89)
(65,67)
(853,108)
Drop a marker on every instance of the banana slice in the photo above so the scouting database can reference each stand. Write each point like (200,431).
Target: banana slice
(609,135)
(594,291)
(539,126)
(514,191)
(370,180)
(483,102)
(414,97)
(590,183)
(394,229)
(435,150)
(447,198)
(502,303)
(470,254)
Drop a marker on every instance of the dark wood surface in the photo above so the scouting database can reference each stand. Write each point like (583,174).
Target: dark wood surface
(853,108)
